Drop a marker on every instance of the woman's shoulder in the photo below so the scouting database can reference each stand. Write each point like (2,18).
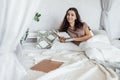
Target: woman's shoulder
(85,24)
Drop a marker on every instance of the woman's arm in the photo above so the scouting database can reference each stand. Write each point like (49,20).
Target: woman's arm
(84,38)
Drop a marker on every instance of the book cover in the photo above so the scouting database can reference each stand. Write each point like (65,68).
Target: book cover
(47,65)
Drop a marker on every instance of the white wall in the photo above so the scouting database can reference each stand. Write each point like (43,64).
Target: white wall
(53,11)
(115,19)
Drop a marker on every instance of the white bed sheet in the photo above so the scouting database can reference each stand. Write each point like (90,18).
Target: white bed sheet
(76,66)
(101,51)
(116,43)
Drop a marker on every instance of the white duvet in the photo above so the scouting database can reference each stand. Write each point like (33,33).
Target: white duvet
(101,51)
(76,67)
(81,70)
(76,64)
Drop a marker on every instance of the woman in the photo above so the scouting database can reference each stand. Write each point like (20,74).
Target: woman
(79,31)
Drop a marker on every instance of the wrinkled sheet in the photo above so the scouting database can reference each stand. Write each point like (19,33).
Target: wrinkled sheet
(76,67)
(101,51)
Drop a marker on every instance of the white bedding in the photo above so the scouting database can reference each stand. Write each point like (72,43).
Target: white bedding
(76,67)
(98,47)
(101,51)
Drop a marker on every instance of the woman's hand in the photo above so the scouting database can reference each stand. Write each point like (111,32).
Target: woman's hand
(62,39)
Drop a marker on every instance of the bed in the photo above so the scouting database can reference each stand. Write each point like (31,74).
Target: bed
(80,63)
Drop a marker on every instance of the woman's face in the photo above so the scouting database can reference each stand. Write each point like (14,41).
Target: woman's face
(71,16)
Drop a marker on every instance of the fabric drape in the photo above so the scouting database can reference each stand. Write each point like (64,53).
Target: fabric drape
(15,17)
(104,21)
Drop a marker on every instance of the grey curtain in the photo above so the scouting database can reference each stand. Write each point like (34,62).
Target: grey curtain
(104,21)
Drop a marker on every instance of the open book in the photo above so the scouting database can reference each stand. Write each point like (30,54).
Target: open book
(69,39)
(47,65)
(63,34)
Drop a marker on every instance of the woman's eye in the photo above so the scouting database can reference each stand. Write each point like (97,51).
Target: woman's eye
(68,14)
(72,14)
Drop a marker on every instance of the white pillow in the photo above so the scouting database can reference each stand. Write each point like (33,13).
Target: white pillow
(57,45)
(99,36)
